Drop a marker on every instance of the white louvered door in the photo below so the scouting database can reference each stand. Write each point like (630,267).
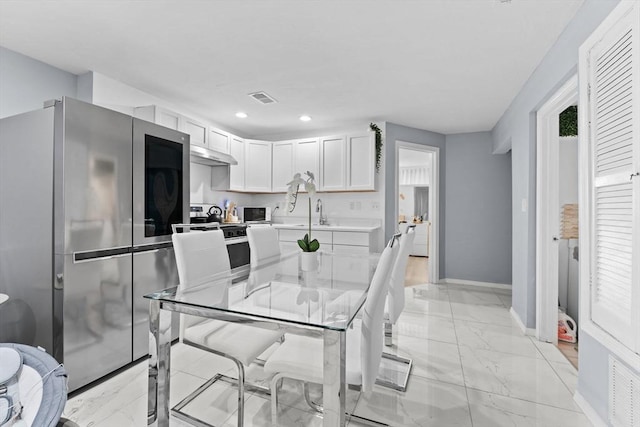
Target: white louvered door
(612,70)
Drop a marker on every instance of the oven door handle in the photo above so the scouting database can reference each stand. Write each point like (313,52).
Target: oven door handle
(235,240)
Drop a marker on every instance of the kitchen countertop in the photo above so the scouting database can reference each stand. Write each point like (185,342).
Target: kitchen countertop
(330,227)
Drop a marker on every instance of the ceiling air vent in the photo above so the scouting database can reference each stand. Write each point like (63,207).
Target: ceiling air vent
(262,98)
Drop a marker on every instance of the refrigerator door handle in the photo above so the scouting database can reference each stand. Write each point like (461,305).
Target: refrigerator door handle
(152,247)
(101,255)
(146,252)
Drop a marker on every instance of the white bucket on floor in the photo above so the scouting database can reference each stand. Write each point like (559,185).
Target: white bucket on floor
(567,328)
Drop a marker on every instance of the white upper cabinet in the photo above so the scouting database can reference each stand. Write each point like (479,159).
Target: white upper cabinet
(307,156)
(333,164)
(282,165)
(257,173)
(236,172)
(219,140)
(361,154)
(167,118)
(196,130)
(159,115)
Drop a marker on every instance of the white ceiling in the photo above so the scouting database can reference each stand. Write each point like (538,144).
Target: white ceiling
(449,66)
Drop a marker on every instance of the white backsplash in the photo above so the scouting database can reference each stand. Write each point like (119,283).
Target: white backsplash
(344,206)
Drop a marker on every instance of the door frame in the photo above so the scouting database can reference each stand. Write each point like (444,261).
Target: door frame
(434,201)
(548,208)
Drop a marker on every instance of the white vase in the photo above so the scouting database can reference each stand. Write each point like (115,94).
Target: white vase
(309,261)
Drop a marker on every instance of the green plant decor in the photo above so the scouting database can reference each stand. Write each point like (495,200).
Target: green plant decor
(569,121)
(374,128)
(306,244)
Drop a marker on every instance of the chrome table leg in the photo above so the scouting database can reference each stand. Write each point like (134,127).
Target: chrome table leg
(334,388)
(159,365)
(388,334)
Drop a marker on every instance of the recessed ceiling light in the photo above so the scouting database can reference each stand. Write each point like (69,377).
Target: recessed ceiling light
(305,118)
(241,115)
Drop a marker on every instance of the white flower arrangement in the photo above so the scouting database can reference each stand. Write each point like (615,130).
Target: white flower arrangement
(306,244)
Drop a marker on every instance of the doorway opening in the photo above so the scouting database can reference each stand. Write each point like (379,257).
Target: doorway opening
(557,221)
(417,203)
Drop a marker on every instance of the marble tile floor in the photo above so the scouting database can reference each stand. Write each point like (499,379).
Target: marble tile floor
(472,367)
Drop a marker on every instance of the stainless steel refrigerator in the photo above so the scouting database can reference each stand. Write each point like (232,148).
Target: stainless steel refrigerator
(87,199)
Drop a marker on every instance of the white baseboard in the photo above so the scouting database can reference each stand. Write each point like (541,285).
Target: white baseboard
(524,329)
(588,410)
(475,283)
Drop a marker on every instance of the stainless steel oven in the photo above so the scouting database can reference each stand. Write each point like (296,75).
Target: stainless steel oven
(239,252)
(235,236)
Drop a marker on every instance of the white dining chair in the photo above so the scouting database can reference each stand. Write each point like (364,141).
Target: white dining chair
(301,357)
(202,255)
(263,243)
(395,297)
(397,368)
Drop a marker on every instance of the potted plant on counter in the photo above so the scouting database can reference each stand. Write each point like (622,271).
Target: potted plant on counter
(308,245)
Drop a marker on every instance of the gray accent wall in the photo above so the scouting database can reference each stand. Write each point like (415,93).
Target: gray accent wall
(478,210)
(392,133)
(516,129)
(26,83)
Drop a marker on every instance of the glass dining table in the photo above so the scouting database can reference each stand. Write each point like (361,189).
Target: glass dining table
(275,293)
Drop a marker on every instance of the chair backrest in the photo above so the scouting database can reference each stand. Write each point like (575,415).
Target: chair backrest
(372,317)
(263,243)
(396,279)
(199,255)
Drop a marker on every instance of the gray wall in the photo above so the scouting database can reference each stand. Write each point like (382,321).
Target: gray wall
(516,129)
(26,83)
(393,133)
(478,210)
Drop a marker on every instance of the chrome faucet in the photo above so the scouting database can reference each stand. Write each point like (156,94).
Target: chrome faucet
(322,220)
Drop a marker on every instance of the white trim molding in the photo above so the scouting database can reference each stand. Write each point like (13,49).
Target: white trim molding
(434,202)
(450,281)
(524,329)
(548,208)
(588,410)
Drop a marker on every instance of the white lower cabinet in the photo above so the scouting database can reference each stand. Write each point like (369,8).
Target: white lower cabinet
(351,269)
(421,240)
(324,237)
(344,242)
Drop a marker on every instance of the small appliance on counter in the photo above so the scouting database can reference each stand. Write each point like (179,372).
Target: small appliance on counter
(200,214)
(197,215)
(256,214)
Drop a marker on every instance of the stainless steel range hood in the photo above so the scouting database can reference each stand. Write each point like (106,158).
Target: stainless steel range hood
(205,156)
